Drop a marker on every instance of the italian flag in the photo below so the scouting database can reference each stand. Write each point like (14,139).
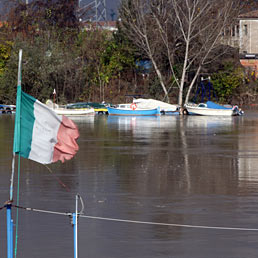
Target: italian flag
(40,134)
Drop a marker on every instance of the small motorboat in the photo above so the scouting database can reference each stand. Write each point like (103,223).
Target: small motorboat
(133,110)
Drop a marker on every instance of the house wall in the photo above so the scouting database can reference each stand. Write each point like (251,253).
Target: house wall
(251,65)
(248,36)
(244,35)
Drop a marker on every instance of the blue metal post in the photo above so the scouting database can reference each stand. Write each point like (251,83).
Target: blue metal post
(74,235)
(11,238)
(9,231)
(75,229)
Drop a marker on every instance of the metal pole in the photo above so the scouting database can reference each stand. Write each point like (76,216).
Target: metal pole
(54,98)
(9,231)
(75,228)
(11,237)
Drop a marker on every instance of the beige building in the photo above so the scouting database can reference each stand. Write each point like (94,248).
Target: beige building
(248,33)
(244,36)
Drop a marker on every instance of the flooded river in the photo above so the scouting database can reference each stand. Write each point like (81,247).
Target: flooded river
(192,170)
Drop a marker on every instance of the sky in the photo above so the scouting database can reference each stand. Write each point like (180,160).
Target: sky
(110,5)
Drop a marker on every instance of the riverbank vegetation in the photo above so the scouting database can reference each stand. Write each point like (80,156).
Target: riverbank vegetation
(161,49)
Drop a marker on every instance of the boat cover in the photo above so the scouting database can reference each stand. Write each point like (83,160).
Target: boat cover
(152,103)
(211,104)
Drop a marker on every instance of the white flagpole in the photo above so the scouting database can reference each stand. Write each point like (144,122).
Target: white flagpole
(13,160)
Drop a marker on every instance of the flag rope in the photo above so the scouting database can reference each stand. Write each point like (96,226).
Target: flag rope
(139,222)
(58,179)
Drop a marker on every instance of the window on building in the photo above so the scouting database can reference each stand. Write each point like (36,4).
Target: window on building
(237,30)
(233,31)
(245,29)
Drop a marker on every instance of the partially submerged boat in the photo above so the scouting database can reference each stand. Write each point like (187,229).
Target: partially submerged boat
(132,110)
(99,108)
(7,109)
(212,109)
(75,112)
(165,108)
(70,110)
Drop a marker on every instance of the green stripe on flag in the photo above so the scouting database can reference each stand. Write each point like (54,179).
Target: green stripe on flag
(27,123)
(27,119)
(17,128)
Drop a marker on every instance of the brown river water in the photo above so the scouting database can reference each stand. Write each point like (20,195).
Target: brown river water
(191,170)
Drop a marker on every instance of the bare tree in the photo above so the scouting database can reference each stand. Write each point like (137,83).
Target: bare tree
(141,29)
(187,31)
(201,23)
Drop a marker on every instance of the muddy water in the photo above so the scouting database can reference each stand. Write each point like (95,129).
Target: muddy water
(180,170)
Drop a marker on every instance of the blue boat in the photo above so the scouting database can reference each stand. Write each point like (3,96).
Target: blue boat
(132,110)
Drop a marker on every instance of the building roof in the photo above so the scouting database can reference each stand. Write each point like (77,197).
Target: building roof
(104,25)
(249,15)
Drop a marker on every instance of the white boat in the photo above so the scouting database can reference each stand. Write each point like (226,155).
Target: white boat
(75,112)
(67,111)
(165,108)
(212,109)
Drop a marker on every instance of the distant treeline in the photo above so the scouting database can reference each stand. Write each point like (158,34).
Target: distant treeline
(83,64)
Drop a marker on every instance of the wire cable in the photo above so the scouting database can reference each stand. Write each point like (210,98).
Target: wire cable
(169,224)
(141,222)
(43,211)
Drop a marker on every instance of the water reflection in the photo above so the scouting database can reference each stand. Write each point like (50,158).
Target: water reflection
(248,153)
(170,169)
(179,148)
(146,124)
(209,121)
(134,123)
(83,119)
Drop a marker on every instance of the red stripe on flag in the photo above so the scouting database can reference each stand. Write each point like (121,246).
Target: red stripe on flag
(66,146)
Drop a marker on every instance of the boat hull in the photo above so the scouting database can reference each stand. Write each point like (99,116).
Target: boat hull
(213,109)
(75,112)
(136,112)
(209,111)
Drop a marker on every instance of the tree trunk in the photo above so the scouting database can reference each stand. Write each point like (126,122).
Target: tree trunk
(192,84)
(182,82)
(160,79)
